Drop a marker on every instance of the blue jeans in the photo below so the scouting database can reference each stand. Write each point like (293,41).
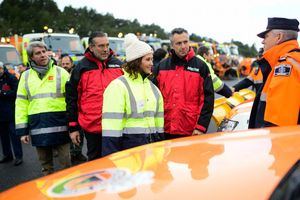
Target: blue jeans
(8,136)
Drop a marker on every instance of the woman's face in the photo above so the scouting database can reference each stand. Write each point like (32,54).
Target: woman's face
(147,63)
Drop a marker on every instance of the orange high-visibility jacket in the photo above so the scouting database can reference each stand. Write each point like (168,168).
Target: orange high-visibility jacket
(282,88)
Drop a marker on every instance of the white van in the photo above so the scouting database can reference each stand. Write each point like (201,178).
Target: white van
(58,43)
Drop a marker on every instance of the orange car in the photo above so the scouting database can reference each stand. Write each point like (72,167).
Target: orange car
(254,164)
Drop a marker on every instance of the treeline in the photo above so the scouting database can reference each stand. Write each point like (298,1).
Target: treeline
(28,16)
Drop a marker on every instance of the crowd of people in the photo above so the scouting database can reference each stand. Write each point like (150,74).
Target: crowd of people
(150,97)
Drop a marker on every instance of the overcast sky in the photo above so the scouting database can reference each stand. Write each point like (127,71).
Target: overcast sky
(221,20)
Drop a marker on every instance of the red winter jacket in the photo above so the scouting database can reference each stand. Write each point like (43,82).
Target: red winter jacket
(84,91)
(188,93)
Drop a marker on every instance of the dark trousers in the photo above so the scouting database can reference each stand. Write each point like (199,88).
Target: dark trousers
(8,136)
(94,145)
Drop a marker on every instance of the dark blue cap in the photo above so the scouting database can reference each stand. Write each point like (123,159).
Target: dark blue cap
(280,23)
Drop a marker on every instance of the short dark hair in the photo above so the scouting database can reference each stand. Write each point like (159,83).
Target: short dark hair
(96,34)
(159,54)
(178,31)
(203,50)
(67,56)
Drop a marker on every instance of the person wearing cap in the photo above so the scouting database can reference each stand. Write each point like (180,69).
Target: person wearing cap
(132,112)
(187,88)
(84,92)
(40,115)
(279,103)
(8,93)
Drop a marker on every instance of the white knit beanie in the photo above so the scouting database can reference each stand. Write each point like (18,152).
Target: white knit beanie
(135,48)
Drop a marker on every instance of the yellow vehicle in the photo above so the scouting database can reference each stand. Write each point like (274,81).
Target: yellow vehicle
(58,44)
(248,165)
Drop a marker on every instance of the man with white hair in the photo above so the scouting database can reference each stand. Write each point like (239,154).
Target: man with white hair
(41,108)
(279,103)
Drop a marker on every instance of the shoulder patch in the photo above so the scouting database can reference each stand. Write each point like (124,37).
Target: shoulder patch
(283,70)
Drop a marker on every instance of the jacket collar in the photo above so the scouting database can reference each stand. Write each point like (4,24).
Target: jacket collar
(273,54)
(91,57)
(187,58)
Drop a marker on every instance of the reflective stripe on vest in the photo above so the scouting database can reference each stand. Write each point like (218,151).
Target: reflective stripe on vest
(22,97)
(263,97)
(133,104)
(258,81)
(48,130)
(131,130)
(19,126)
(134,114)
(116,115)
(58,93)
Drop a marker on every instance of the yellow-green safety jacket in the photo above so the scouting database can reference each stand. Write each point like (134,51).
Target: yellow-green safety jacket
(132,114)
(41,107)
(217,82)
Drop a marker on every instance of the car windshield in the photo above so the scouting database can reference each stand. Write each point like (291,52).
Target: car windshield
(117,46)
(65,44)
(9,55)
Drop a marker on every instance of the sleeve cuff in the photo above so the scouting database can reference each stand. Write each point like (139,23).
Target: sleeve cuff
(200,128)
(74,126)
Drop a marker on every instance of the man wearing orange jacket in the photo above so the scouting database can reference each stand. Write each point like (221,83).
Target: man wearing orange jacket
(281,93)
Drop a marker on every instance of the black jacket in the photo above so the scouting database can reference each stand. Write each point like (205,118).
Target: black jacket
(8,92)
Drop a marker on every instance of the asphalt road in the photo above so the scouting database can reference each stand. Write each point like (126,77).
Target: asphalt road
(11,175)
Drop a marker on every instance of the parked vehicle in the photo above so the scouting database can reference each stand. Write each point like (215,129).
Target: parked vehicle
(9,55)
(58,44)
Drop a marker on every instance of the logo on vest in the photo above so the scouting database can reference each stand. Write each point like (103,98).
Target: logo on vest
(193,69)
(283,70)
(50,78)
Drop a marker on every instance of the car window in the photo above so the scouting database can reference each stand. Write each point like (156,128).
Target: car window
(289,186)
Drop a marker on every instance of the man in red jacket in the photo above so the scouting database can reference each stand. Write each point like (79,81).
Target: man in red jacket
(84,92)
(187,89)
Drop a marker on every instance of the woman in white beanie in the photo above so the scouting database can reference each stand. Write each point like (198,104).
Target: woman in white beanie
(132,106)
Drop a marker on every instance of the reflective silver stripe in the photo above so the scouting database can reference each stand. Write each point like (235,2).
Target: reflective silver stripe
(26,84)
(220,88)
(48,130)
(19,126)
(160,130)
(58,81)
(47,95)
(21,97)
(136,130)
(112,133)
(250,78)
(263,97)
(156,94)
(133,104)
(215,79)
(112,115)
(258,81)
